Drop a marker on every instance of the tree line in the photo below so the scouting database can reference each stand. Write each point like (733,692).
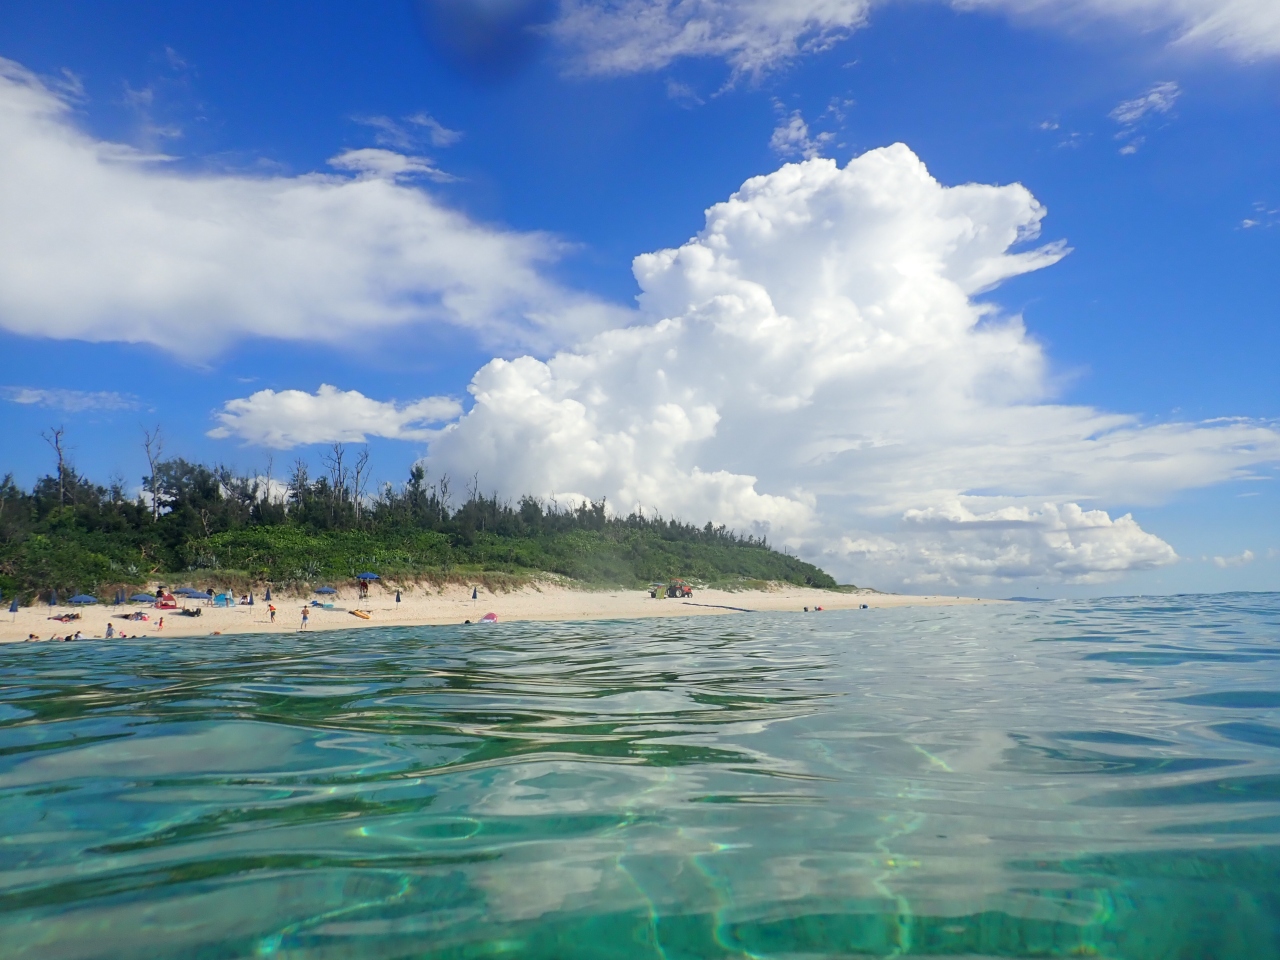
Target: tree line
(70,532)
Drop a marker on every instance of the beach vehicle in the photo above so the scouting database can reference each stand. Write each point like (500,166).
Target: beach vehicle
(676,589)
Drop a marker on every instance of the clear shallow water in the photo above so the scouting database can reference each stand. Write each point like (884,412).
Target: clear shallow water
(1094,779)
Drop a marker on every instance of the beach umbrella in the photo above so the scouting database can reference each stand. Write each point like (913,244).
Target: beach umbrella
(53,598)
(268,596)
(326,590)
(13,607)
(142,598)
(367,576)
(83,598)
(397,596)
(251,598)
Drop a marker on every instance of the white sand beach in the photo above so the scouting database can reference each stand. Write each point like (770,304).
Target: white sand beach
(427,605)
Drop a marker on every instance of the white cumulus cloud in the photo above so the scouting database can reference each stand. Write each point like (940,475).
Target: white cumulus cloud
(791,138)
(100,242)
(1239,560)
(291,418)
(816,365)
(624,36)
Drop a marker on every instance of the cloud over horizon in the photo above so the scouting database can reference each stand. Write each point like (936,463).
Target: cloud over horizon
(103,243)
(815,365)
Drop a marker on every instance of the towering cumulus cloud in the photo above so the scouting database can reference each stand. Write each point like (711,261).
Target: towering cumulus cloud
(813,364)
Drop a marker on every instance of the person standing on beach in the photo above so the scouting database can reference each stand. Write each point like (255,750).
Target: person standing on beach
(160,625)
(305,617)
(271,608)
(111,630)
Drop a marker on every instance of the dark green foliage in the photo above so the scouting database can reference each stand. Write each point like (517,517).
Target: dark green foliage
(84,537)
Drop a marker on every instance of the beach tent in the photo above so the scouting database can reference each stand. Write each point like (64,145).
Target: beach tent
(83,598)
(326,590)
(367,576)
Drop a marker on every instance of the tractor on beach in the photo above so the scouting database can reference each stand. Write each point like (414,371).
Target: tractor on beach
(676,589)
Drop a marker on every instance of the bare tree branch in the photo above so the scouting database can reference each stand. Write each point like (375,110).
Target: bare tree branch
(54,438)
(153,444)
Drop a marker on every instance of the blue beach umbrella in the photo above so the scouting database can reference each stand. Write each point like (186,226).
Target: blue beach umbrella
(367,576)
(326,590)
(13,607)
(268,596)
(142,598)
(53,598)
(83,598)
(473,592)
(397,596)
(251,598)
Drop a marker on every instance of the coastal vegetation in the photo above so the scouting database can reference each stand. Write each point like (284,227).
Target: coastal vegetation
(207,525)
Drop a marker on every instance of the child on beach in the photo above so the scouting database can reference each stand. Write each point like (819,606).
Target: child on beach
(111,630)
(271,608)
(160,625)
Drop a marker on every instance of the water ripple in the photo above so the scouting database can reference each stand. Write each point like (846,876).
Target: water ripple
(1072,779)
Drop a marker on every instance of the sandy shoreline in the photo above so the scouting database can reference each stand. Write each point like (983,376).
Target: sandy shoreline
(425,606)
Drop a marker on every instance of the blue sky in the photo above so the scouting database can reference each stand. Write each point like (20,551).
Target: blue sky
(1155,158)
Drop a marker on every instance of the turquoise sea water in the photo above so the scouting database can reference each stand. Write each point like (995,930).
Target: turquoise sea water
(1095,779)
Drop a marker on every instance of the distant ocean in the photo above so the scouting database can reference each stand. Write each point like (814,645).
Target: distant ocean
(1075,779)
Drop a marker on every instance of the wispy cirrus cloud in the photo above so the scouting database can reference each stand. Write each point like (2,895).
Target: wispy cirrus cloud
(410,132)
(1133,114)
(70,401)
(755,36)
